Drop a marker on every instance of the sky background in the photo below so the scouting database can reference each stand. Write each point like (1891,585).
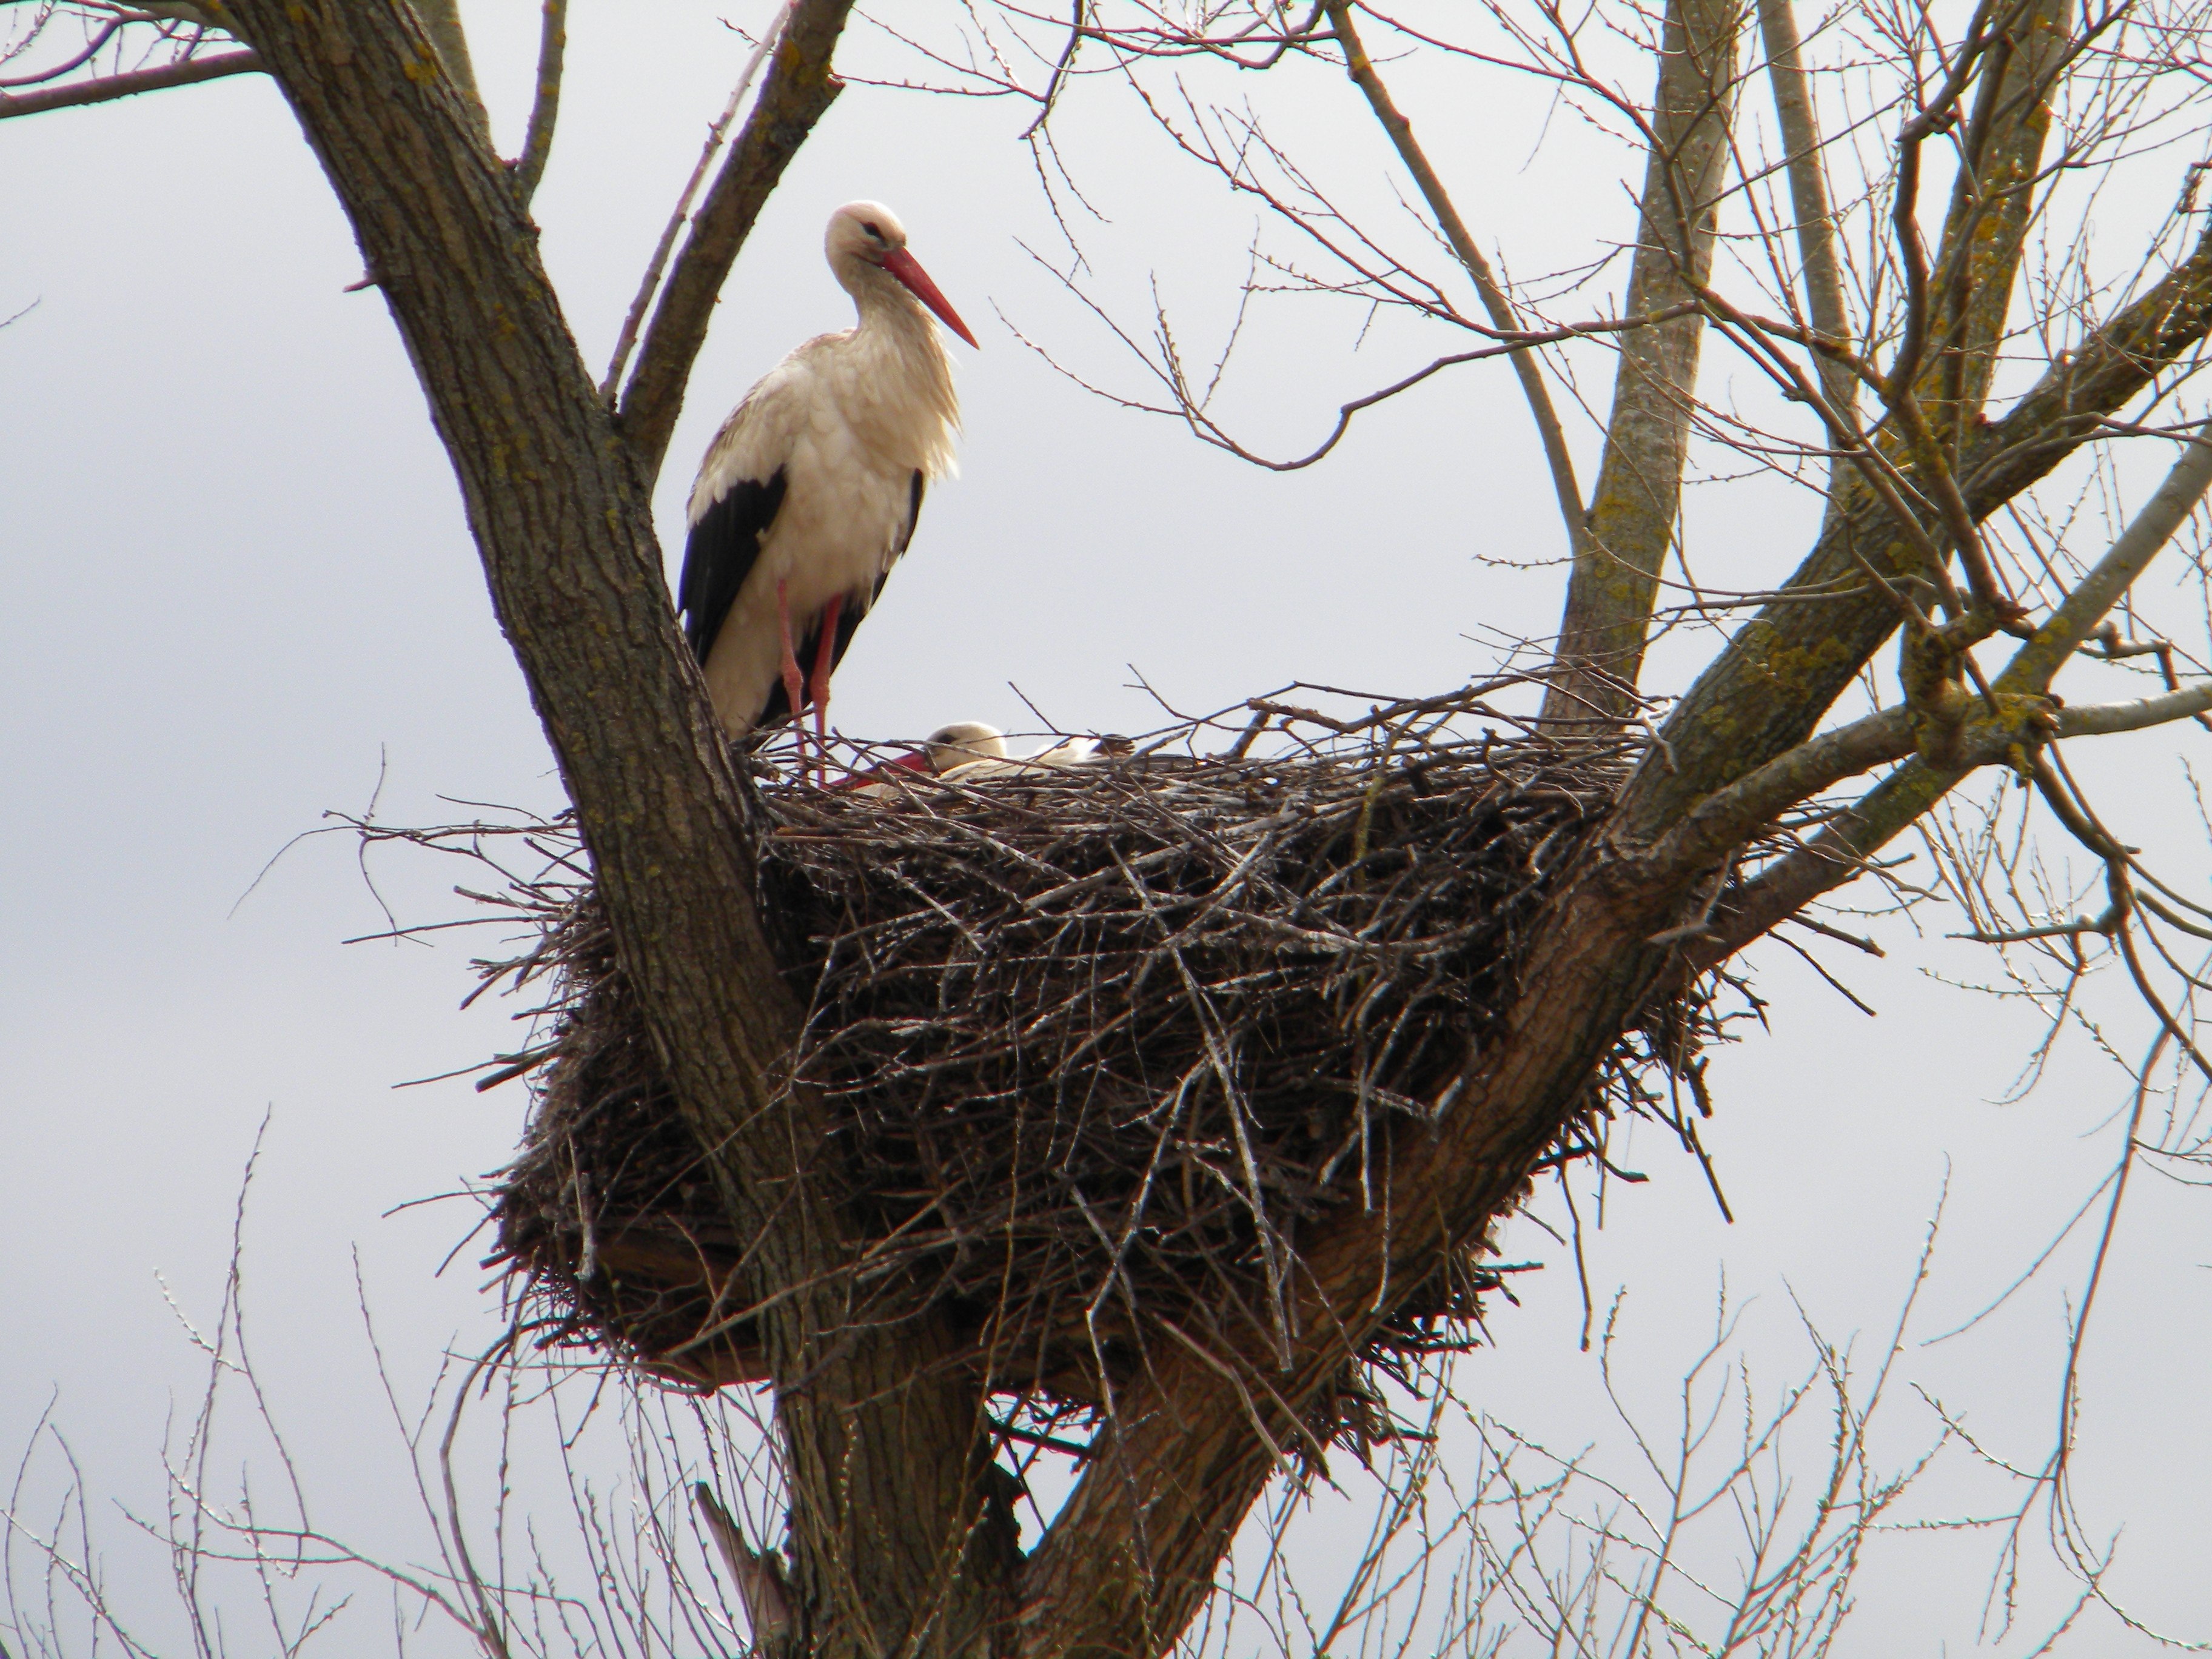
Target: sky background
(241,596)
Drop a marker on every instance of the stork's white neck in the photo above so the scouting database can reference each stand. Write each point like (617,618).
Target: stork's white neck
(883,301)
(900,378)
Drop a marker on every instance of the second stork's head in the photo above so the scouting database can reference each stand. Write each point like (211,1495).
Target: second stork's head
(961,743)
(866,244)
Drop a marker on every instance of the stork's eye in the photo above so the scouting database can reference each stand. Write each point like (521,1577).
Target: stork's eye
(873,229)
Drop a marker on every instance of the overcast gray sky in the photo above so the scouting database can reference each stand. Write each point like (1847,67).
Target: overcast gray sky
(240,594)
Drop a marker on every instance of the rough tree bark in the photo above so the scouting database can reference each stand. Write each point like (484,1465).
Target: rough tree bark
(889,1468)
(1985,228)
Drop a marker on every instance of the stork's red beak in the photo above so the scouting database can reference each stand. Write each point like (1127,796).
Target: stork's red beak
(908,268)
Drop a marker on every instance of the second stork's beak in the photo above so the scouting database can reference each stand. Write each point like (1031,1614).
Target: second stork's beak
(908,268)
(916,762)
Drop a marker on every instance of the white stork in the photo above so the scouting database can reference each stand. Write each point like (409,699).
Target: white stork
(947,749)
(969,752)
(987,763)
(809,492)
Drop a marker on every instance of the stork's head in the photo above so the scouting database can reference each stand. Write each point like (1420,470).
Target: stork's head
(867,237)
(963,741)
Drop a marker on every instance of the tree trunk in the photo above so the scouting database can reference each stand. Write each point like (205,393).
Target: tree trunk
(886,1458)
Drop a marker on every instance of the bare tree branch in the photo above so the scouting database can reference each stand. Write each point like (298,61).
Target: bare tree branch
(758,1579)
(1841,852)
(649,285)
(1821,271)
(2098,720)
(1992,201)
(442,22)
(1991,464)
(545,105)
(2155,524)
(1956,313)
(798,92)
(108,88)
(1191,410)
(1631,519)
(1526,368)
(1784,667)
(1729,816)
(182,11)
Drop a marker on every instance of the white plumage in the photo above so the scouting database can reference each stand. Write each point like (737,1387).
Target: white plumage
(971,752)
(809,492)
(991,759)
(951,747)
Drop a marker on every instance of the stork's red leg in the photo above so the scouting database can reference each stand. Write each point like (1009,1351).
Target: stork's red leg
(824,649)
(794,688)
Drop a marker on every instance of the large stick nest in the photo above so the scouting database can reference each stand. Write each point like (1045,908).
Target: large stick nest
(1104,1046)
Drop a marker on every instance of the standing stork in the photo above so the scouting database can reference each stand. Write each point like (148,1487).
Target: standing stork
(809,492)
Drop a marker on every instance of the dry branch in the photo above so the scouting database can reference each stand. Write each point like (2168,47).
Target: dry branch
(1786,667)
(1799,121)
(796,94)
(1528,368)
(546,101)
(1630,527)
(108,88)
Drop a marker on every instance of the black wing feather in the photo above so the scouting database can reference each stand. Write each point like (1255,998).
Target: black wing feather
(719,555)
(848,620)
(913,512)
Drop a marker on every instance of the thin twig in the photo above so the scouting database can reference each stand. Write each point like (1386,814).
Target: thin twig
(1495,300)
